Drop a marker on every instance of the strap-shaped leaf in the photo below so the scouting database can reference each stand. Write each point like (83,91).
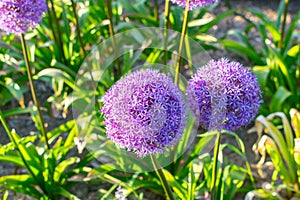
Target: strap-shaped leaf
(23,183)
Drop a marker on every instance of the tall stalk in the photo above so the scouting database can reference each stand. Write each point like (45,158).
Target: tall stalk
(78,27)
(117,69)
(59,33)
(162,178)
(215,166)
(286,9)
(33,91)
(183,35)
(156,11)
(166,26)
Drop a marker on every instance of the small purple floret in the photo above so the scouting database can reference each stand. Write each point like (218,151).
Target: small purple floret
(224,95)
(194,3)
(119,195)
(144,112)
(16,16)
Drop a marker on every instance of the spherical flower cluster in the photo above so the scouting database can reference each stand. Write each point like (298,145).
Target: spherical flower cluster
(144,112)
(16,16)
(224,94)
(194,3)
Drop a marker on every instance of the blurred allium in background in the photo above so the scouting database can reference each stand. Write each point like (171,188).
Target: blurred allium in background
(224,93)
(144,112)
(194,3)
(119,195)
(16,16)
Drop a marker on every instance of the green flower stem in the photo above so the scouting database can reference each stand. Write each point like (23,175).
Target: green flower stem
(33,91)
(183,35)
(189,55)
(15,143)
(156,11)
(78,27)
(166,26)
(215,166)
(59,32)
(286,9)
(162,178)
(117,69)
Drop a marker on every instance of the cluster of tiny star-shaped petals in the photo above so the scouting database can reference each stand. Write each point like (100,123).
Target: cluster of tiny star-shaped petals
(224,95)
(194,3)
(144,112)
(16,16)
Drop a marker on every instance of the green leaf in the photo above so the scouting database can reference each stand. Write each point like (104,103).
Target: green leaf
(295,120)
(274,32)
(65,193)
(279,98)
(279,14)
(286,128)
(285,71)
(294,51)
(279,140)
(16,111)
(178,188)
(14,89)
(290,33)
(205,27)
(12,158)
(61,167)
(233,179)
(63,128)
(69,143)
(20,183)
(233,148)
(242,50)
(262,73)
(56,74)
(31,157)
(277,160)
(195,170)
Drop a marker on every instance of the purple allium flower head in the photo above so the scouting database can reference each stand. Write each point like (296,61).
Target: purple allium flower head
(119,194)
(194,3)
(16,16)
(144,112)
(224,94)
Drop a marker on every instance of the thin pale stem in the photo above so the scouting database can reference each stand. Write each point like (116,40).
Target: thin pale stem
(166,26)
(183,35)
(59,33)
(162,178)
(286,8)
(189,55)
(215,166)
(33,91)
(156,11)
(78,27)
(15,143)
(117,69)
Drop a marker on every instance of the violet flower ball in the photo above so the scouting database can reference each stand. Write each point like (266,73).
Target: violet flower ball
(224,95)
(144,112)
(16,16)
(194,3)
